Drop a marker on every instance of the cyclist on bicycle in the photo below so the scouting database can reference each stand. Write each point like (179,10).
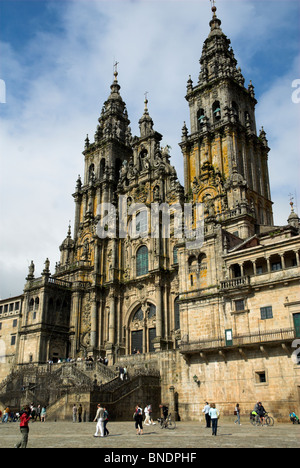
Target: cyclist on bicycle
(261,412)
(165,412)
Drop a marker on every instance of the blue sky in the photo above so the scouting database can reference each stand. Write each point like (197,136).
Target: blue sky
(56,58)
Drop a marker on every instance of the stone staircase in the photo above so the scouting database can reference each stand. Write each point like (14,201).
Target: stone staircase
(60,386)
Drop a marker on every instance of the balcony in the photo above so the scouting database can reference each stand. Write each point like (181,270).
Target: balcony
(257,339)
(235,283)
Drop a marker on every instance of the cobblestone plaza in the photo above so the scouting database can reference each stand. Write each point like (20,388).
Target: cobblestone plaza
(187,435)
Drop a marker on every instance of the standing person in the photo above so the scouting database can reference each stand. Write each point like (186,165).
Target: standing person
(237,412)
(38,412)
(261,413)
(138,416)
(106,431)
(206,413)
(24,429)
(33,412)
(100,421)
(214,416)
(80,413)
(43,414)
(74,411)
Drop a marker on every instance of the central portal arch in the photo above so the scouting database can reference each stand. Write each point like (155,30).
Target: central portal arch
(143,329)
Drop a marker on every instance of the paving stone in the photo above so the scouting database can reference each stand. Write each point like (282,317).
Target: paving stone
(187,435)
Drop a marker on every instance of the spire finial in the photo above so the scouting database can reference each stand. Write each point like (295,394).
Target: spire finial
(116,71)
(146,102)
(213,7)
(291,202)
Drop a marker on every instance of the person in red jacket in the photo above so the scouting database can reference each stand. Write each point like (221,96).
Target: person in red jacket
(24,429)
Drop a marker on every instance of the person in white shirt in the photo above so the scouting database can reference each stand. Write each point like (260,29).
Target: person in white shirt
(147,418)
(214,415)
(206,413)
(100,421)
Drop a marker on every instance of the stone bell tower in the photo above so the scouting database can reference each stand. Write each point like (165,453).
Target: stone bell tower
(225,161)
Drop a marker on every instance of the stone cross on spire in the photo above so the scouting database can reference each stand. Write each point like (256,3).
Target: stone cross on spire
(116,70)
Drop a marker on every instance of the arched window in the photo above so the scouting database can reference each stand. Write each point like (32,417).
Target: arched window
(142,266)
(102,168)
(91,172)
(139,315)
(200,118)
(216,108)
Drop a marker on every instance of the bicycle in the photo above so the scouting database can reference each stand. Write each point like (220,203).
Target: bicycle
(167,423)
(256,420)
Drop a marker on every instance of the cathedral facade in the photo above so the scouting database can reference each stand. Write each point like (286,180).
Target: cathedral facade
(218,313)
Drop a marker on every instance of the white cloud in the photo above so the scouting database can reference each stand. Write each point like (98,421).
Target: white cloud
(60,86)
(280,117)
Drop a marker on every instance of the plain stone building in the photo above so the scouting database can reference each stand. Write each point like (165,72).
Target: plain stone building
(218,319)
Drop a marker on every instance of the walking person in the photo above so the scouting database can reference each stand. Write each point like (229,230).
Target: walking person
(138,416)
(6,415)
(100,421)
(74,411)
(24,429)
(79,413)
(214,416)
(206,413)
(237,413)
(150,415)
(106,431)
(147,418)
